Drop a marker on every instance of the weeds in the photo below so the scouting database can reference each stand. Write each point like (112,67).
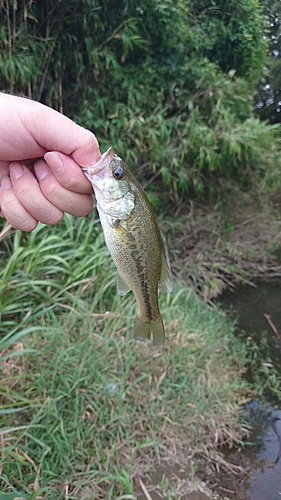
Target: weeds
(85,409)
(108,404)
(46,267)
(213,250)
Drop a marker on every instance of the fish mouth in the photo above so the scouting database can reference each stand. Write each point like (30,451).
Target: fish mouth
(103,162)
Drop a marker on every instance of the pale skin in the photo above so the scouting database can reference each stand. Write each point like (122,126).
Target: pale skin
(41,155)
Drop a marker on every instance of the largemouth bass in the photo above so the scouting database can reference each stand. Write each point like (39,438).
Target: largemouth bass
(133,240)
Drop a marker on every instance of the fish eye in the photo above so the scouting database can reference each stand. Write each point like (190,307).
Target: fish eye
(118,173)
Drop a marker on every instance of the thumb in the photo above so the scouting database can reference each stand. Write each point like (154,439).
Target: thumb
(38,129)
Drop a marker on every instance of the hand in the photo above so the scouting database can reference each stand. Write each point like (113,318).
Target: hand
(41,152)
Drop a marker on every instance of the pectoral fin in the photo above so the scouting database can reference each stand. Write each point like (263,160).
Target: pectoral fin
(122,287)
(165,283)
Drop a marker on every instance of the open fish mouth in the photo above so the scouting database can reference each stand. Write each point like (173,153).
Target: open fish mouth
(103,162)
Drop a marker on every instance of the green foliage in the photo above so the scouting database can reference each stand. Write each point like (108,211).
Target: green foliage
(57,265)
(229,34)
(200,143)
(84,405)
(268,94)
(13,496)
(262,370)
(168,84)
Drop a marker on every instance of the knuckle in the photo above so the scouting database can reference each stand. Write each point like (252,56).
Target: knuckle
(70,183)
(50,190)
(24,223)
(22,190)
(16,215)
(55,219)
(81,206)
(10,206)
(86,208)
(29,225)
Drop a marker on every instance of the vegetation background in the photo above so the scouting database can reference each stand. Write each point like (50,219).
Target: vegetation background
(181,89)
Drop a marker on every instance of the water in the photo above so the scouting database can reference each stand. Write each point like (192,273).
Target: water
(264,482)
(251,305)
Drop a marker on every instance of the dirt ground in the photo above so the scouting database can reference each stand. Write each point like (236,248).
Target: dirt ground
(227,483)
(212,481)
(213,252)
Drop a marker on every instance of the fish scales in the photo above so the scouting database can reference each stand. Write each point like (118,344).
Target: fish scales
(133,239)
(135,247)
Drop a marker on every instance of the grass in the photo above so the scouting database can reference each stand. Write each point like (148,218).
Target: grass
(85,411)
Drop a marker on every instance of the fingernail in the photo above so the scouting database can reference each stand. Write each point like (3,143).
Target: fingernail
(16,170)
(6,183)
(54,160)
(41,170)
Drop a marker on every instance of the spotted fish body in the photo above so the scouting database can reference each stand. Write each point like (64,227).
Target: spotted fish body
(133,239)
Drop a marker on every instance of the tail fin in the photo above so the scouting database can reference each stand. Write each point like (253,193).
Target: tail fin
(143,331)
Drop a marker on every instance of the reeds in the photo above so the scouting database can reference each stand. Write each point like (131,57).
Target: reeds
(85,410)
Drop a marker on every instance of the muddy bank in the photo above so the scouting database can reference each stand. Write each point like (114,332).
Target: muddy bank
(152,486)
(211,482)
(228,483)
(235,259)
(214,251)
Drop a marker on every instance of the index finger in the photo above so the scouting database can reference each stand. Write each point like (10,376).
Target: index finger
(68,173)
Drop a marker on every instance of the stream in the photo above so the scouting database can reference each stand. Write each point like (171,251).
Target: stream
(250,305)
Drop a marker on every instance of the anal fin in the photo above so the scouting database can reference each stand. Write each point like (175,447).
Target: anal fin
(166,282)
(122,286)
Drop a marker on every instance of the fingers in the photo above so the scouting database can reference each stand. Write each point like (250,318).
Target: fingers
(12,209)
(22,202)
(29,194)
(78,203)
(26,199)
(58,184)
(68,173)
(39,129)
(87,151)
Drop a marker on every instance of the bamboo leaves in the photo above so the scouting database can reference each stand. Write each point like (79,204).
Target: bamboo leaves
(167,84)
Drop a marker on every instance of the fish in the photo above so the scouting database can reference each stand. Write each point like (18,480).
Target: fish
(133,239)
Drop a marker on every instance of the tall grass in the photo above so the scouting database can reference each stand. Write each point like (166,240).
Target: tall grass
(84,409)
(44,268)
